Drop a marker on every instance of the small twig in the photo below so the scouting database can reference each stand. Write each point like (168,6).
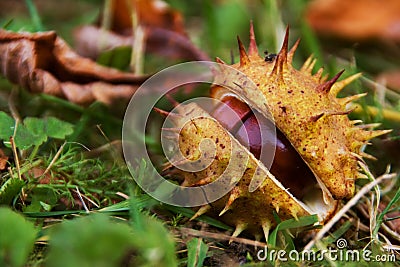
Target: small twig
(11,104)
(80,197)
(224,237)
(82,145)
(390,186)
(363,211)
(111,145)
(346,208)
(107,15)
(373,209)
(54,159)
(17,118)
(139,42)
(91,201)
(392,233)
(115,145)
(16,158)
(11,172)
(378,84)
(391,247)
(122,195)
(181,251)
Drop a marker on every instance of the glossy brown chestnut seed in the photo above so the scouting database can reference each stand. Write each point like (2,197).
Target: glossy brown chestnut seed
(287,165)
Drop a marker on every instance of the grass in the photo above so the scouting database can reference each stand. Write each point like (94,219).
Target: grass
(74,194)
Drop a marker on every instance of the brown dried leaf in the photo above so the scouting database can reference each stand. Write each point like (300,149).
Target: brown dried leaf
(390,79)
(356,19)
(44,63)
(91,41)
(163,30)
(154,13)
(3,160)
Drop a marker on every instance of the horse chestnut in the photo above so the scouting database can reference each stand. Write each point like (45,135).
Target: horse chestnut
(317,147)
(287,165)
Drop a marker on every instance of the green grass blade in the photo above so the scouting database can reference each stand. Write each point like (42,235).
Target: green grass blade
(36,20)
(49,214)
(311,43)
(197,252)
(380,217)
(290,224)
(203,218)
(338,233)
(142,201)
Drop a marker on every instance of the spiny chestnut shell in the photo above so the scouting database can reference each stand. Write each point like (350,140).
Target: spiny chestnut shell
(306,111)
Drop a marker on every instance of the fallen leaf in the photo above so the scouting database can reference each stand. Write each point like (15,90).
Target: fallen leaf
(44,63)
(154,13)
(356,19)
(164,33)
(390,79)
(3,160)
(90,41)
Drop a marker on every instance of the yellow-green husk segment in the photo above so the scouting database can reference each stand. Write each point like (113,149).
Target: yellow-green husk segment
(306,110)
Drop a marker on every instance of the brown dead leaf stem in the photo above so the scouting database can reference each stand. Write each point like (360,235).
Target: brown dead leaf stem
(43,63)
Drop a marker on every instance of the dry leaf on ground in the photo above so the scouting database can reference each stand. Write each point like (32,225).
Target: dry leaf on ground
(357,19)
(164,33)
(390,79)
(3,160)
(44,63)
(154,13)
(92,40)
